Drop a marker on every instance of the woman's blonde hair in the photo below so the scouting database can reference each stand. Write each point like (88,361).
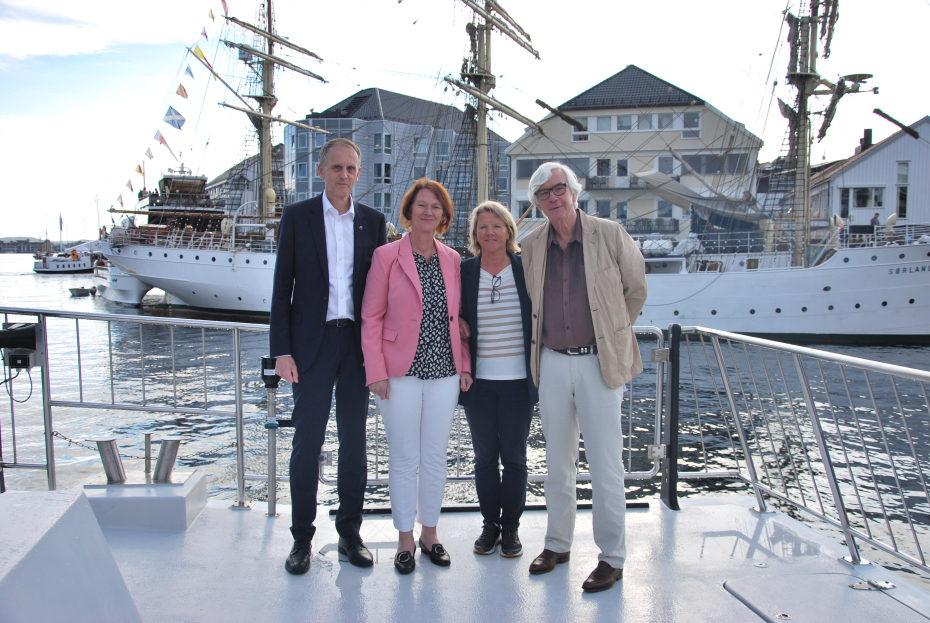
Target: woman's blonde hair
(500,212)
(406,204)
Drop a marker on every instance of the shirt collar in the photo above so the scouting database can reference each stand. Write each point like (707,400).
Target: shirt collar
(576,234)
(327,206)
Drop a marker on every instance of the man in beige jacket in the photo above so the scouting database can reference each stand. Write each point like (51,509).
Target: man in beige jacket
(587,282)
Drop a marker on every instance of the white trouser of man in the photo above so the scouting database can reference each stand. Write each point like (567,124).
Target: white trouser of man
(573,396)
(417,420)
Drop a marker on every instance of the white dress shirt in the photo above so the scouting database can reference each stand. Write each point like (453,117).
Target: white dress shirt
(340,259)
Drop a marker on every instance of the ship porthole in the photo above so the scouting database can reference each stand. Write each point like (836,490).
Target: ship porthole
(197,257)
(713,312)
(150,254)
(247,261)
(216,296)
(166,255)
(214,259)
(857,306)
(901,256)
(266,261)
(830,308)
(803,309)
(752,311)
(846,260)
(676,312)
(181,257)
(884,303)
(239,297)
(230,260)
(911,302)
(874,258)
(826,288)
(778,310)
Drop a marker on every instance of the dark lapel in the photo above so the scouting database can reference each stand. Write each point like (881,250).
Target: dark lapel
(470,282)
(516,264)
(318,231)
(359,232)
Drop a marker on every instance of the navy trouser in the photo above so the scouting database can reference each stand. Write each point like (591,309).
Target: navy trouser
(499,417)
(339,363)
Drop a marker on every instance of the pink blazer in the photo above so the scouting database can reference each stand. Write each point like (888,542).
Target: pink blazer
(392,310)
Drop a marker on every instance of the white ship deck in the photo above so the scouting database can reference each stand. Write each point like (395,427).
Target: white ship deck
(229,566)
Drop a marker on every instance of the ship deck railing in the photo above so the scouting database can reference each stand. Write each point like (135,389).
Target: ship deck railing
(250,237)
(839,440)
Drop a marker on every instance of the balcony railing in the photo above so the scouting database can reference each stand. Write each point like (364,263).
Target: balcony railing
(651,225)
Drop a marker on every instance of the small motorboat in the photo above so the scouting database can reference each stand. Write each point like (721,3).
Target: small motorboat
(78,292)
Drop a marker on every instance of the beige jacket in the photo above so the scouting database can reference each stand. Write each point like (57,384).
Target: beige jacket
(616,274)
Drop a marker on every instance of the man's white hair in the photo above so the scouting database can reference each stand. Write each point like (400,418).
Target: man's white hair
(544,173)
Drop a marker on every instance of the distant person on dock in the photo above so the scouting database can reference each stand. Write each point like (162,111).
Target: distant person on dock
(587,281)
(417,361)
(325,246)
(875,222)
(499,406)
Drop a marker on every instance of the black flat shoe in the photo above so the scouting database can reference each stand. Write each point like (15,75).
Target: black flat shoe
(354,551)
(437,555)
(298,561)
(404,562)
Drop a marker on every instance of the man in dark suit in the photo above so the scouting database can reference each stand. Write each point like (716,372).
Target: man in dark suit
(325,246)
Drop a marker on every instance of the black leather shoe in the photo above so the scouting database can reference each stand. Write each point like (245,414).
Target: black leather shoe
(489,540)
(603,577)
(354,551)
(404,562)
(546,562)
(298,561)
(510,544)
(437,555)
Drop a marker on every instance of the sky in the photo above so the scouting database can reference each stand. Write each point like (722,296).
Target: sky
(84,84)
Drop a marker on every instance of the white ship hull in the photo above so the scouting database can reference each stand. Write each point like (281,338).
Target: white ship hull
(64,265)
(114,284)
(887,297)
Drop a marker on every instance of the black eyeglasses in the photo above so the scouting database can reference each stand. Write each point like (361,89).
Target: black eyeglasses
(495,293)
(558,190)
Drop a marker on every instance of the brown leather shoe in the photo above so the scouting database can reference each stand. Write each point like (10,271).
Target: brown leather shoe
(546,562)
(602,578)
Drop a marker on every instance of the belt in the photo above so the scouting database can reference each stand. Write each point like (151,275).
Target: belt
(340,322)
(578,350)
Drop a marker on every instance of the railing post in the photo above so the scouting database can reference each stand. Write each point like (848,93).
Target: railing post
(669,489)
(42,358)
(750,466)
(240,503)
(838,503)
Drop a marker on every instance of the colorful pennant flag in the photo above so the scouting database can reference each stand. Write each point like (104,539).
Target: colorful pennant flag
(120,200)
(182,91)
(189,72)
(203,33)
(161,139)
(174,118)
(199,54)
(148,152)
(210,15)
(139,169)
(225,8)
(129,186)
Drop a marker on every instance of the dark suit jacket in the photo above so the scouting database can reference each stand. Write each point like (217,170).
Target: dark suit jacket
(301,277)
(471,273)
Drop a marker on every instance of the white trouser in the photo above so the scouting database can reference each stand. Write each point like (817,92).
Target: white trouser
(573,395)
(418,419)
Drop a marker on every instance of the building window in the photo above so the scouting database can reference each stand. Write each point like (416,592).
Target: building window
(844,203)
(583,206)
(603,168)
(419,172)
(692,125)
(293,169)
(522,207)
(603,209)
(902,201)
(387,173)
(737,164)
(378,173)
(666,119)
(302,196)
(293,140)
(664,210)
(442,150)
(302,140)
(666,165)
(318,139)
(440,175)
(603,124)
(377,201)
(420,147)
(387,200)
(387,143)
(644,122)
(862,198)
(623,168)
(502,183)
(902,172)
(580,136)
(301,169)
(378,141)
(621,211)
(624,123)
(713,165)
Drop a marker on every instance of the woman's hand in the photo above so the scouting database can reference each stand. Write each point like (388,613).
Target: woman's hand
(464,330)
(381,389)
(466,381)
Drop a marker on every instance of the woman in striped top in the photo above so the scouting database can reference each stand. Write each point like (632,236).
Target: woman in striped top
(499,406)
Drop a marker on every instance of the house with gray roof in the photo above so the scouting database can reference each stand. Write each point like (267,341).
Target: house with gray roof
(646,152)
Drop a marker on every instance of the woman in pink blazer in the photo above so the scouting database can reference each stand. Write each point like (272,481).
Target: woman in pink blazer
(416,362)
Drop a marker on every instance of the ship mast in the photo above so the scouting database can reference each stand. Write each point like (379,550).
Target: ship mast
(267,101)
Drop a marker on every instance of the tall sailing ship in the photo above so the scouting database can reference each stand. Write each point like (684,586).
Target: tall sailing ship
(762,265)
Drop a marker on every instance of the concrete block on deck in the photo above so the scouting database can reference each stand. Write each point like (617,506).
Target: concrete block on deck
(147,505)
(55,564)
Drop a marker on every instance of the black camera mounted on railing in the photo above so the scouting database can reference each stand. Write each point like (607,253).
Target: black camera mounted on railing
(18,341)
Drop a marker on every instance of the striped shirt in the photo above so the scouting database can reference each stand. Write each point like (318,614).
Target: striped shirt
(500,328)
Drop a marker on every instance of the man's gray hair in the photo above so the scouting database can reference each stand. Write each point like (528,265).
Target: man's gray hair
(542,175)
(338,141)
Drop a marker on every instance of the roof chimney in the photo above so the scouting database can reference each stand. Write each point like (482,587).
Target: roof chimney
(865,142)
